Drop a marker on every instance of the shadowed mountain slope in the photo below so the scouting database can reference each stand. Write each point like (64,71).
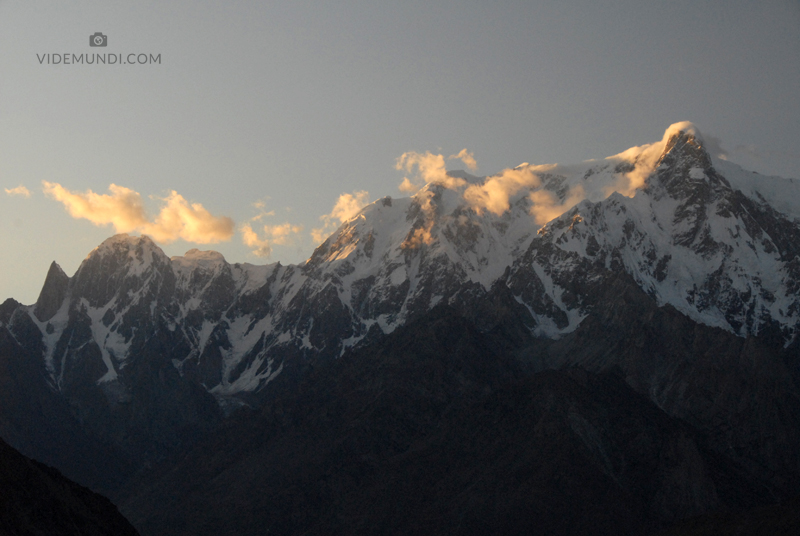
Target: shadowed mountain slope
(37,500)
(438,430)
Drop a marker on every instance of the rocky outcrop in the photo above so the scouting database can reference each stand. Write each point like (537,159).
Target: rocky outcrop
(53,293)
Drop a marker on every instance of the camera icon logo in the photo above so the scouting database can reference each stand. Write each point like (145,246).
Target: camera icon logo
(98,40)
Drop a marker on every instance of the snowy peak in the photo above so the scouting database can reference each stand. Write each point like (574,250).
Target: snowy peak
(196,269)
(436,231)
(685,170)
(119,266)
(688,239)
(194,258)
(124,244)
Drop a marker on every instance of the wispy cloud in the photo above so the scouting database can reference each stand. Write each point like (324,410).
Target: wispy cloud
(426,168)
(345,208)
(467,157)
(545,206)
(494,194)
(274,235)
(19,190)
(644,159)
(123,208)
(714,146)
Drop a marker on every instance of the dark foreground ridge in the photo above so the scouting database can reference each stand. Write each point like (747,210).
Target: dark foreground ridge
(38,500)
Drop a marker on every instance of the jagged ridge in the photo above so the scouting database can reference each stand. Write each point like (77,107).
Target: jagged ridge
(719,254)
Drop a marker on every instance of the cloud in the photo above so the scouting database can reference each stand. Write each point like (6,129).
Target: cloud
(496,191)
(714,147)
(545,206)
(191,222)
(279,235)
(645,157)
(123,208)
(19,190)
(430,168)
(467,157)
(263,215)
(261,204)
(259,247)
(418,236)
(347,206)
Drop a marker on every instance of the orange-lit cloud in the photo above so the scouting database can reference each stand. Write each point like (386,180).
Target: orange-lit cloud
(279,235)
(123,208)
(259,247)
(467,157)
(644,158)
(347,206)
(418,236)
(430,168)
(494,194)
(19,190)
(191,222)
(545,206)
(261,205)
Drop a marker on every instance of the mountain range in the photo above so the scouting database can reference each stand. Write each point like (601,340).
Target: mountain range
(611,345)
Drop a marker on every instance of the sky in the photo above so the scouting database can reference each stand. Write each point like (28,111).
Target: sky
(252,128)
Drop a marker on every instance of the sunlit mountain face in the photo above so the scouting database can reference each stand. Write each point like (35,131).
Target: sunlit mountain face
(633,320)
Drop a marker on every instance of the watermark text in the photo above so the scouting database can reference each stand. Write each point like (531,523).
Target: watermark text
(99,59)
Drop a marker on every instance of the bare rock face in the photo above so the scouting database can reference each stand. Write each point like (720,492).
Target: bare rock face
(53,293)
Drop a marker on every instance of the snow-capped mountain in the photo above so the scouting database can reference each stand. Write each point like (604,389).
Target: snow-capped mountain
(714,248)
(674,269)
(719,244)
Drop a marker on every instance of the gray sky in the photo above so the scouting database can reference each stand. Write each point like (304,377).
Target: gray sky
(292,104)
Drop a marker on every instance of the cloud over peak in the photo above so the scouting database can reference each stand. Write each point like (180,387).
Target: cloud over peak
(494,194)
(123,208)
(278,235)
(645,157)
(347,206)
(547,188)
(428,168)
